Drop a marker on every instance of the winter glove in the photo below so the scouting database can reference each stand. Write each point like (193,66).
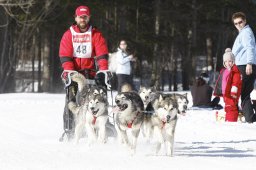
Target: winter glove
(65,76)
(233,93)
(102,78)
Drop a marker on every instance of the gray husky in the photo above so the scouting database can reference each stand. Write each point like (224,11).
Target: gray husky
(146,94)
(91,108)
(162,122)
(182,101)
(129,116)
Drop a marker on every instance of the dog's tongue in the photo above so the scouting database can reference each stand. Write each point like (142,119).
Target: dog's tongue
(115,109)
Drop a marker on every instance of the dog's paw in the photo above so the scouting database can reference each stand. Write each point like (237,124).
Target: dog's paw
(102,140)
(71,105)
(132,152)
(169,152)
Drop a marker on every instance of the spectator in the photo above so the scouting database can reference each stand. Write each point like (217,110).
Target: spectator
(244,49)
(229,85)
(124,69)
(202,93)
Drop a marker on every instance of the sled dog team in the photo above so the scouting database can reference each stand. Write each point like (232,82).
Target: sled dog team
(152,112)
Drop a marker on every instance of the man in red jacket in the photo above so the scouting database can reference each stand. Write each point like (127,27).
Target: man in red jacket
(82,49)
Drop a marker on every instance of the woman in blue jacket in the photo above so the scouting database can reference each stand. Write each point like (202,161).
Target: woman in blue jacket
(244,49)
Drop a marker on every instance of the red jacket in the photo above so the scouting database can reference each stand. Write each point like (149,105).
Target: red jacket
(234,79)
(99,51)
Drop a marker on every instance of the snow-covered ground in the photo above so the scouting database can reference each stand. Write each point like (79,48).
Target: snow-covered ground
(31,124)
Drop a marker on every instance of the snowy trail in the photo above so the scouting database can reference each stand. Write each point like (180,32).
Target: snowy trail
(31,124)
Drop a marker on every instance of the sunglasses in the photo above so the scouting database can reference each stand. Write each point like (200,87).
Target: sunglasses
(238,23)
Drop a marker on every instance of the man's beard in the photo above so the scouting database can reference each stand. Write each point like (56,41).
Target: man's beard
(82,25)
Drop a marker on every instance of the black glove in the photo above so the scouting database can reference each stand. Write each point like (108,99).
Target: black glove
(100,80)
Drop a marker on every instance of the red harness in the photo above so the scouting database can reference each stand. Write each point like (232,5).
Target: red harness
(163,124)
(94,120)
(129,125)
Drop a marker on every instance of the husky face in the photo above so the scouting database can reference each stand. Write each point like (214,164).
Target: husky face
(122,101)
(167,109)
(84,95)
(129,100)
(182,101)
(96,90)
(145,94)
(97,105)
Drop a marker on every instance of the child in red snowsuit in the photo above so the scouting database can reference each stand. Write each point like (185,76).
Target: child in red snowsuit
(229,86)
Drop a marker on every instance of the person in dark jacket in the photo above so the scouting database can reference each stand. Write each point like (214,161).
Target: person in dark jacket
(229,85)
(201,93)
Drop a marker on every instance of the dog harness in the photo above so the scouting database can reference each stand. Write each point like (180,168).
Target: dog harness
(129,125)
(163,124)
(94,120)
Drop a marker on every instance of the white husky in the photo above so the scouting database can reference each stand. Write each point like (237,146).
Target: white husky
(96,119)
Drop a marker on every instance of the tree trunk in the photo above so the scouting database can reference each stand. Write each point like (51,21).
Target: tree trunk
(33,53)
(155,72)
(39,73)
(46,67)
(209,53)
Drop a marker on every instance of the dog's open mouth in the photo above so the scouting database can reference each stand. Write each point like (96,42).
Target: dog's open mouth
(94,112)
(122,107)
(183,112)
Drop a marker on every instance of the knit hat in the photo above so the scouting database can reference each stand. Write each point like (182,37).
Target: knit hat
(205,77)
(228,55)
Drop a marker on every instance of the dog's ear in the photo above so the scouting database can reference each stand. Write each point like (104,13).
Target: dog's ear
(153,88)
(141,87)
(160,98)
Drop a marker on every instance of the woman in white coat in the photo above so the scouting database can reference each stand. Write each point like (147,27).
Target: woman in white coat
(124,69)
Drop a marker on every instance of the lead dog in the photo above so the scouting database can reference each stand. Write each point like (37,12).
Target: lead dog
(129,116)
(96,118)
(90,109)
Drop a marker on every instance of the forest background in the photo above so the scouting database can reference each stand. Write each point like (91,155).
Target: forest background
(173,40)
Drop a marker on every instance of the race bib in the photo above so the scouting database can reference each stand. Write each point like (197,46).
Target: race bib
(82,43)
